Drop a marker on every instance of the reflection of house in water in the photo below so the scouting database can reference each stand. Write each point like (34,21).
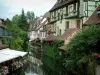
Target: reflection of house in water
(10,60)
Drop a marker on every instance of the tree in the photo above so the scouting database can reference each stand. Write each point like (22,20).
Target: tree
(30,17)
(81,49)
(32,20)
(14,42)
(51,57)
(15,20)
(8,23)
(18,26)
(23,22)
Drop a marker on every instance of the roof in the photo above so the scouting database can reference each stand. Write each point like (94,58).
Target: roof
(8,54)
(58,5)
(46,15)
(42,24)
(69,32)
(93,18)
(64,36)
(51,38)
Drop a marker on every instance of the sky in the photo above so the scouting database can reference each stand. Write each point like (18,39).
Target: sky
(9,8)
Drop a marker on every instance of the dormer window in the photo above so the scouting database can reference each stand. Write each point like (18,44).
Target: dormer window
(98,12)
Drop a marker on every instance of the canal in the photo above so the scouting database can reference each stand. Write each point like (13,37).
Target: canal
(29,68)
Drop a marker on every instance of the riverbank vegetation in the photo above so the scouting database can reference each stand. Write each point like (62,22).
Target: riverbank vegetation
(19,26)
(81,50)
(51,57)
(80,58)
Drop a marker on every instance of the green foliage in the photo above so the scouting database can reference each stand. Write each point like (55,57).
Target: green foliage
(23,22)
(15,20)
(49,62)
(52,50)
(30,16)
(51,54)
(81,48)
(14,43)
(18,26)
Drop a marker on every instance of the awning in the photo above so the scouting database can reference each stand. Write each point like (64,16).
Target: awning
(8,54)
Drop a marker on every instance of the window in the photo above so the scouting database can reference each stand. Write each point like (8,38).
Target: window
(60,32)
(44,27)
(54,14)
(74,8)
(54,27)
(58,16)
(70,9)
(1,31)
(0,21)
(66,10)
(57,30)
(67,25)
(78,23)
(61,19)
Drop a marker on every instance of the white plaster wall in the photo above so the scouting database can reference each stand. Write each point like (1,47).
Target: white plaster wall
(73,23)
(33,35)
(81,8)
(62,26)
(42,35)
(64,10)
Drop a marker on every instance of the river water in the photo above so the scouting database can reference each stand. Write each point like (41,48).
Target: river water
(29,69)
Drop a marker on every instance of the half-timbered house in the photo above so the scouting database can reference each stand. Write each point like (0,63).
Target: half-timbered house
(41,29)
(71,14)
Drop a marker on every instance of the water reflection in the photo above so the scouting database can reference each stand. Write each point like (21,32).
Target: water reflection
(30,73)
(29,69)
